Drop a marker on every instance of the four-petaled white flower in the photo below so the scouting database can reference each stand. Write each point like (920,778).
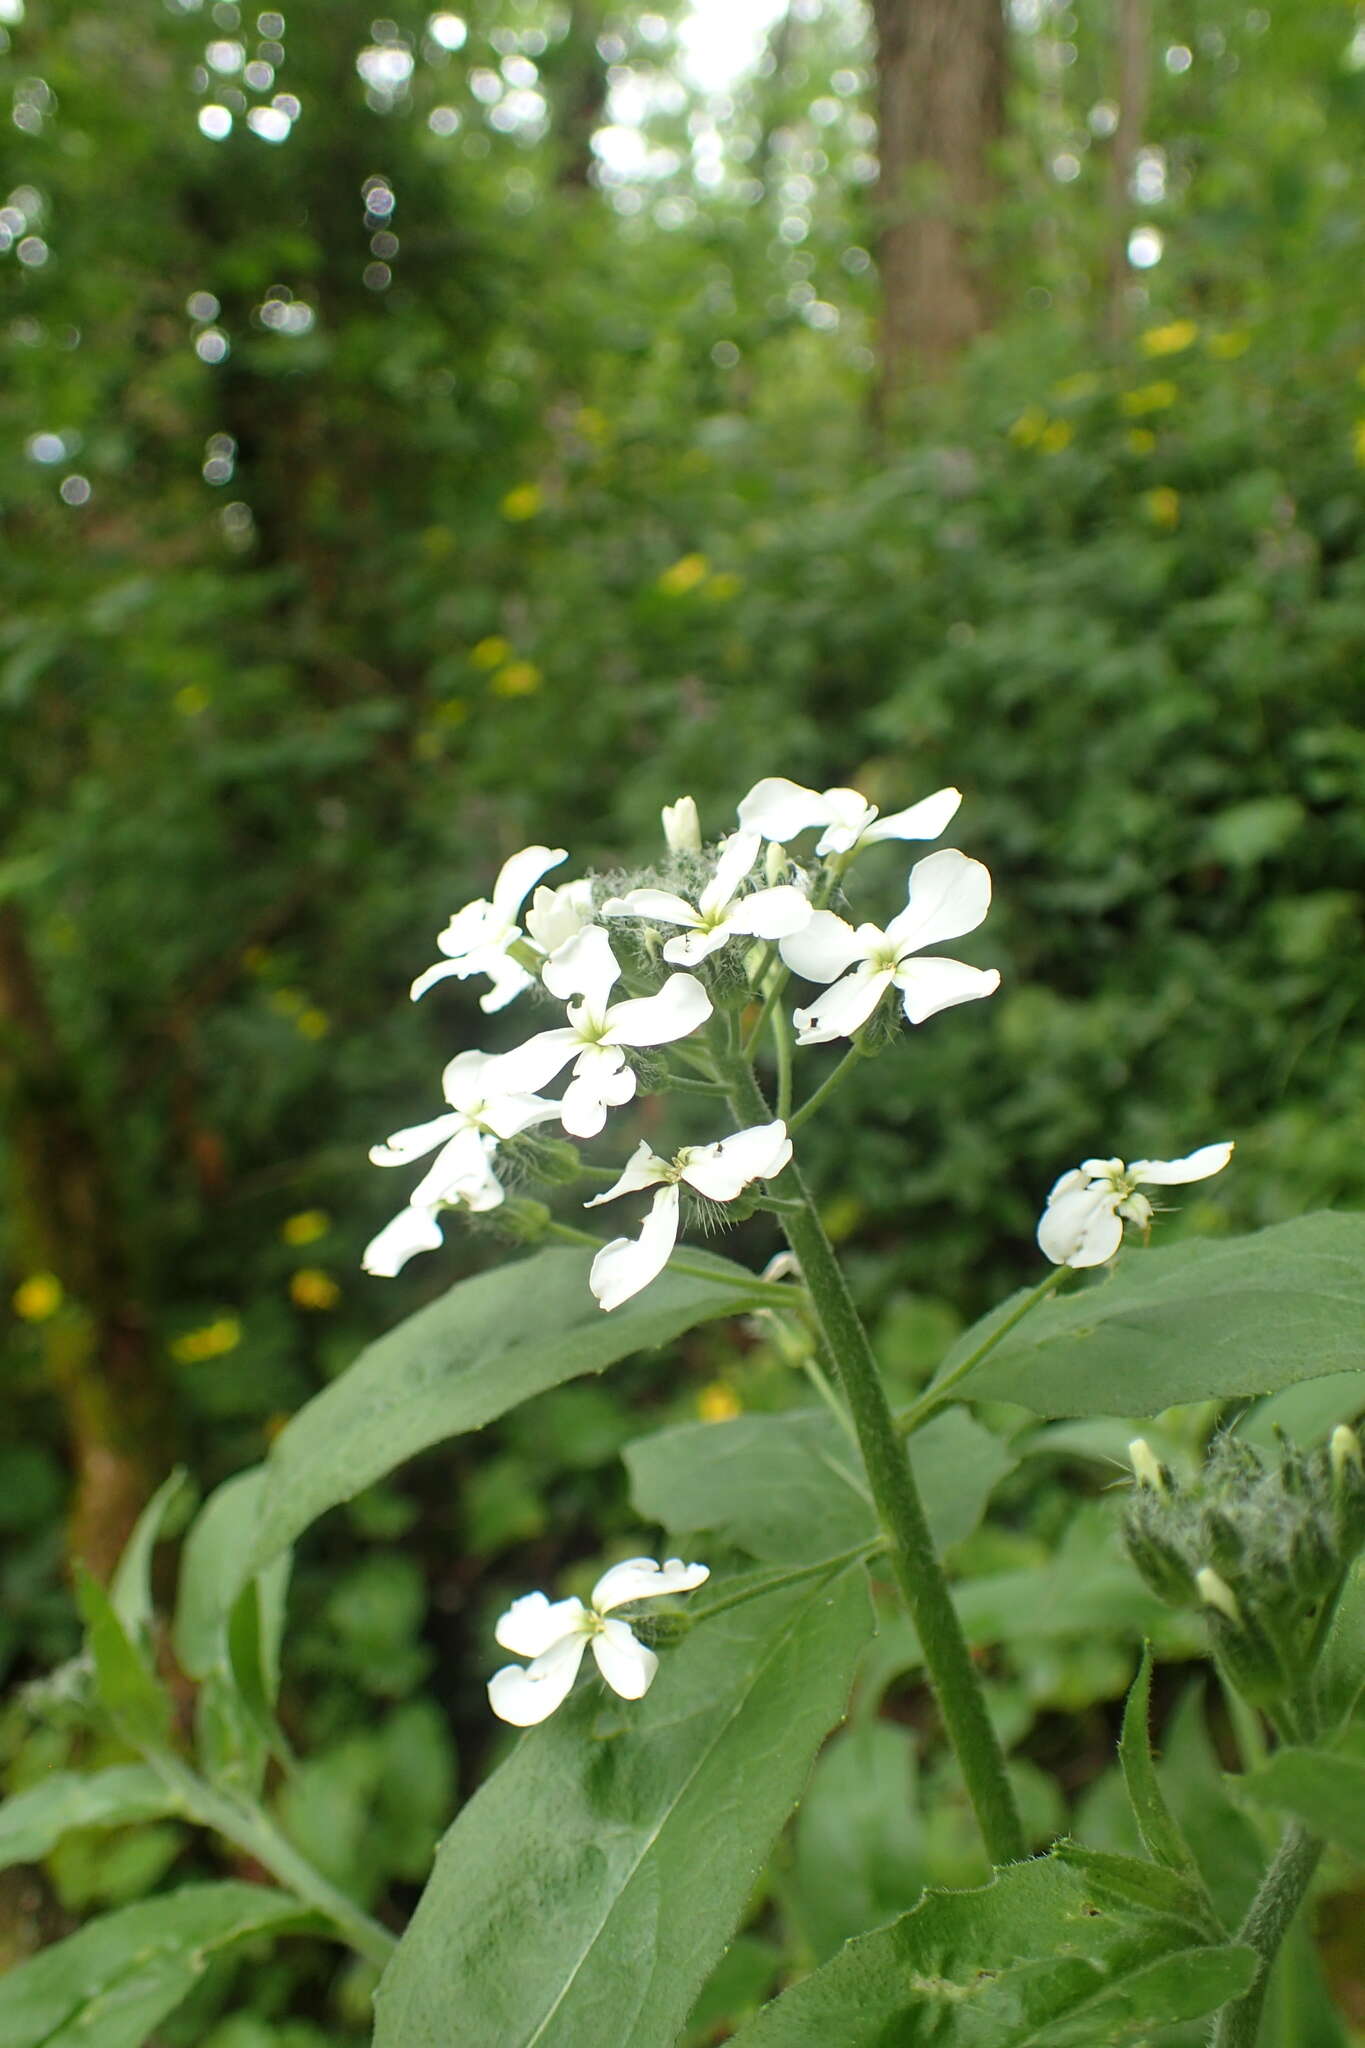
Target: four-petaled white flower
(721,1172)
(1082,1224)
(720,913)
(779,810)
(478,938)
(482,1110)
(598,1030)
(949,895)
(558,915)
(682,826)
(555,1633)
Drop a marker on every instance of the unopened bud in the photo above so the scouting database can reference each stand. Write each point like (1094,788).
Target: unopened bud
(1147,1467)
(682,826)
(774,864)
(1215,1591)
(528,1222)
(552,1160)
(1344,1451)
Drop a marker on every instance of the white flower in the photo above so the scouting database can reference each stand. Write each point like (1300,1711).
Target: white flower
(721,1172)
(555,1633)
(949,895)
(482,1110)
(1082,1224)
(779,810)
(598,1029)
(478,938)
(411,1231)
(720,913)
(682,826)
(558,915)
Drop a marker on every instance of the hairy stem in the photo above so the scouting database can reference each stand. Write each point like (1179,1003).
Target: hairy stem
(1267,1922)
(896,1498)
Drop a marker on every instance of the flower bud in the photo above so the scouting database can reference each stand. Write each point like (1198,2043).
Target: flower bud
(682,826)
(522,1219)
(1215,1591)
(774,864)
(1155,1552)
(1345,1455)
(552,1160)
(1147,1467)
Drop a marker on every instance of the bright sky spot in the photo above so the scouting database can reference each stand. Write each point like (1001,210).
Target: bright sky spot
(721,39)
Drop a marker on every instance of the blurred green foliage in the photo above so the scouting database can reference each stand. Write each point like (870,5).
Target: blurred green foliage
(564,504)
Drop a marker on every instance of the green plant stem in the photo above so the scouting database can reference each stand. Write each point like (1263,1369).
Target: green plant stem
(252,1830)
(827,1087)
(932,1398)
(773,1580)
(899,1508)
(1267,1921)
(782,1054)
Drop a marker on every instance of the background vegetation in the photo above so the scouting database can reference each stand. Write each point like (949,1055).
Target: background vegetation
(507,448)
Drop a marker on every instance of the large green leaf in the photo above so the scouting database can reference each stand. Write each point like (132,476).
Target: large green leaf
(109,1985)
(791,1487)
(1043,1955)
(1323,1790)
(128,1688)
(1199,1321)
(211,1578)
(34,1821)
(586,1891)
(486,1346)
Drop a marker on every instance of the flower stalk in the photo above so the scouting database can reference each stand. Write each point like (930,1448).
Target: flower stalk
(1268,1919)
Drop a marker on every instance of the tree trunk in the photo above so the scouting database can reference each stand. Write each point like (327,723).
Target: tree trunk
(941,110)
(1133,89)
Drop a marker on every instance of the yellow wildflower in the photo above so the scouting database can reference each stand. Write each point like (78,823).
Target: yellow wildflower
(684,575)
(212,1340)
(38,1297)
(518,679)
(1141,440)
(491,652)
(1028,429)
(1235,341)
(306,1227)
(1148,398)
(1171,339)
(717,1403)
(453,711)
(310,1287)
(312,1023)
(192,700)
(1056,436)
(1162,506)
(522,503)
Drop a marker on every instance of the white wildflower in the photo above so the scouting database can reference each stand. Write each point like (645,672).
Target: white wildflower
(720,912)
(479,938)
(1082,1224)
(780,810)
(682,826)
(555,1633)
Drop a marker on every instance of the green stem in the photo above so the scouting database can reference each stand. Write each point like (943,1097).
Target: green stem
(1267,1922)
(782,1053)
(773,1580)
(827,1087)
(932,1398)
(253,1831)
(899,1508)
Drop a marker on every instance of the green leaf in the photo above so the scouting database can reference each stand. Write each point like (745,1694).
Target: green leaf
(127,1686)
(1157,1825)
(589,1887)
(130,1589)
(34,1821)
(486,1346)
(858,1852)
(211,1581)
(1039,1958)
(109,1985)
(790,1488)
(1225,1843)
(1323,1790)
(1199,1321)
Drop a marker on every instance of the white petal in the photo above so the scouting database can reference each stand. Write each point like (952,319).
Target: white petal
(737,855)
(417,1140)
(779,809)
(462,1172)
(628,1264)
(558,915)
(506,1115)
(585,966)
(1069,1183)
(924,820)
(530,1066)
(949,895)
(849,814)
(658,903)
(689,949)
(723,1170)
(640,1578)
(602,1081)
(476,926)
(843,1009)
(644,1169)
(411,1231)
(508,977)
(533,1624)
(431,975)
(525,1695)
(1080,1228)
(679,1007)
(519,875)
(682,826)
(770,913)
(623,1661)
(822,949)
(928,986)
(469,1078)
(1173,1173)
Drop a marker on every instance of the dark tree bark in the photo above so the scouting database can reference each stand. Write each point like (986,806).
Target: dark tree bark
(941,109)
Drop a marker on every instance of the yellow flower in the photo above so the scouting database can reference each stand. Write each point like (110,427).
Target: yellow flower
(518,679)
(310,1287)
(684,575)
(192,700)
(1056,436)
(453,711)
(1028,429)
(724,585)
(1225,347)
(490,653)
(522,503)
(717,1403)
(1358,441)
(306,1227)
(213,1340)
(1148,398)
(1171,339)
(1162,506)
(1141,440)
(287,1002)
(312,1023)
(38,1297)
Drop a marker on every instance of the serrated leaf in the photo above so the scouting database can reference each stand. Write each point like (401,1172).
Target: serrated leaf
(34,1821)
(127,1686)
(1322,1789)
(1157,1825)
(589,1887)
(110,1984)
(486,1346)
(1207,1320)
(1120,1880)
(1033,1960)
(790,1488)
